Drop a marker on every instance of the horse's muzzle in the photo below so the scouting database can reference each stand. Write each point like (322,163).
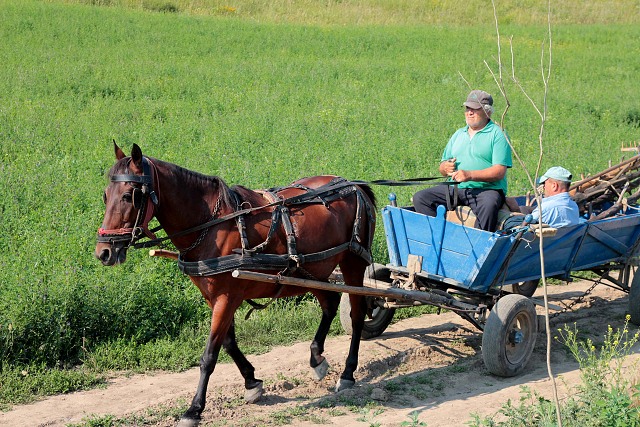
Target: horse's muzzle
(110,254)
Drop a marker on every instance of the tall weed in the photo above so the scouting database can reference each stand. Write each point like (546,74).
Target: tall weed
(608,394)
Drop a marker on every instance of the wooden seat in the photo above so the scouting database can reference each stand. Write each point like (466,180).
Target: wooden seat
(464,216)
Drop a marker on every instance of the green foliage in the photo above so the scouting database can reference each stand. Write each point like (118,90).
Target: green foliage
(259,101)
(414,420)
(606,396)
(391,12)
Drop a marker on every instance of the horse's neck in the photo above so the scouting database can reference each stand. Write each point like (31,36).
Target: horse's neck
(252,198)
(187,199)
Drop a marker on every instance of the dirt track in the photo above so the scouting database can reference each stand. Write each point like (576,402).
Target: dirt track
(432,365)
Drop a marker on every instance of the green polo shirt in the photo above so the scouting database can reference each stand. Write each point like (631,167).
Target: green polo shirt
(488,147)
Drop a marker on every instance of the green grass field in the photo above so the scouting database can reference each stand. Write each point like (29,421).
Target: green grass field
(260,93)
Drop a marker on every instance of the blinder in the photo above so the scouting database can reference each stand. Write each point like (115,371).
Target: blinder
(137,197)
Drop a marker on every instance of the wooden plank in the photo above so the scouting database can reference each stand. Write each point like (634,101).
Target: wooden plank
(395,293)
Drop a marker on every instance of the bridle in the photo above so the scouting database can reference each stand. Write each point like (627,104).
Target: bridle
(144,199)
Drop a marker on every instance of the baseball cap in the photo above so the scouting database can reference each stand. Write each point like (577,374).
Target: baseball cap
(478,98)
(556,172)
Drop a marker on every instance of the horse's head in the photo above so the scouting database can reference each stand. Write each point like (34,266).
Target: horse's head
(129,200)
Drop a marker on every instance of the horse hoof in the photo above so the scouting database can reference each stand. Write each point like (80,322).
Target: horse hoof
(188,422)
(321,370)
(252,395)
(344,384)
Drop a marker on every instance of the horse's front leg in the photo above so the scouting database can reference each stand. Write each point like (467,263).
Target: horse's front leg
(221,320)
(329,301)
(252,385)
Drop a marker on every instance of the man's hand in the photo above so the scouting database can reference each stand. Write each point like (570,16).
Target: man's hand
(461,176)
(490,174)
(448,167)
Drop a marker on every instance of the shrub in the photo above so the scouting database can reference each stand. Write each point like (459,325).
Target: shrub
(606,396)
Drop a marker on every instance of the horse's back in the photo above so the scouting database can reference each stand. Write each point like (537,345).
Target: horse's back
(321,221)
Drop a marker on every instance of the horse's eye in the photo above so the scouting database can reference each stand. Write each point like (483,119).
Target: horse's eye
(126,197)
(104,197)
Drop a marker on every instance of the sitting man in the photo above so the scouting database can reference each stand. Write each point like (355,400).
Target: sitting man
(558,209)
(477,156)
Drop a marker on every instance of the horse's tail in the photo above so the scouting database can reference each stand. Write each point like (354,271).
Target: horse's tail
(369,193)
(370,206)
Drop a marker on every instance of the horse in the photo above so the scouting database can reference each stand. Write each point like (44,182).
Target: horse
(303,230)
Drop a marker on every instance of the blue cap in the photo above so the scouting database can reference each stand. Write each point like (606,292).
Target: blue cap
(558,173)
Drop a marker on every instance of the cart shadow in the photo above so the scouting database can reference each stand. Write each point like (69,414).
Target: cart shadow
(462,373)
(454,368)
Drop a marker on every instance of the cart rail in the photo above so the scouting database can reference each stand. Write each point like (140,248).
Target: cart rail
(480,261)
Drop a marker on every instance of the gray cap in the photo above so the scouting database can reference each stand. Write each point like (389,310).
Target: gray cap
(477,99)
(558,173)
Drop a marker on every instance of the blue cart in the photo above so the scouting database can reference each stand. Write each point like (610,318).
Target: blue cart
(487,278)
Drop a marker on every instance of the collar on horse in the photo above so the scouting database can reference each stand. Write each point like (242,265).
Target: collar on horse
(144,199)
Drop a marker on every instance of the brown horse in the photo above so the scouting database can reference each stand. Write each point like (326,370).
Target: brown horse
(304,230)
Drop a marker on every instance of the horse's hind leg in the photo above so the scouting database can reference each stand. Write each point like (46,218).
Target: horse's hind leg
(329,301)
(353,272)
(251,384)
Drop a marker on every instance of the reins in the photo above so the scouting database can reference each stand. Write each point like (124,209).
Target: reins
(149,199)
(303,198)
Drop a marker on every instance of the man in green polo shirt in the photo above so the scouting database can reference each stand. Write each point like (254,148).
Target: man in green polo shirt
(477,156)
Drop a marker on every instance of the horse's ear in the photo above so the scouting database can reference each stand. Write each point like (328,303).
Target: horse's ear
(119,153)
(136,158)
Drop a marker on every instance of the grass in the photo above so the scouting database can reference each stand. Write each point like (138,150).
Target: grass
(608,394)
(389,12)
(260,95)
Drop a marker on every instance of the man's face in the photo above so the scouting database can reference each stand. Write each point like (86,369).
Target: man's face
(551,187)
(475,117)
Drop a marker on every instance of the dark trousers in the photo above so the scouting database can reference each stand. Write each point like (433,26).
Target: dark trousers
(485,204)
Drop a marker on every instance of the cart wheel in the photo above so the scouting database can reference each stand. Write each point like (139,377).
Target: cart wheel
(377,318)
(634,300)
(509,335)
(527,288)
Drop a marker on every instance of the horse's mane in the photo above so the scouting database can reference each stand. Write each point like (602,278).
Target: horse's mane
(206,181)
(190,177)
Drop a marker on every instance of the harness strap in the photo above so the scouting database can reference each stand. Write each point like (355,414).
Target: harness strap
(240,223)
(257,306)
(276,215)
(228,263)
(291,236)
(252,258)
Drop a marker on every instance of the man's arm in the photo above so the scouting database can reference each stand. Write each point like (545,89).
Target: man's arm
(491,174)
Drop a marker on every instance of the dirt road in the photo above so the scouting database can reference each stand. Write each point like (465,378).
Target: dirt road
(426,369)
